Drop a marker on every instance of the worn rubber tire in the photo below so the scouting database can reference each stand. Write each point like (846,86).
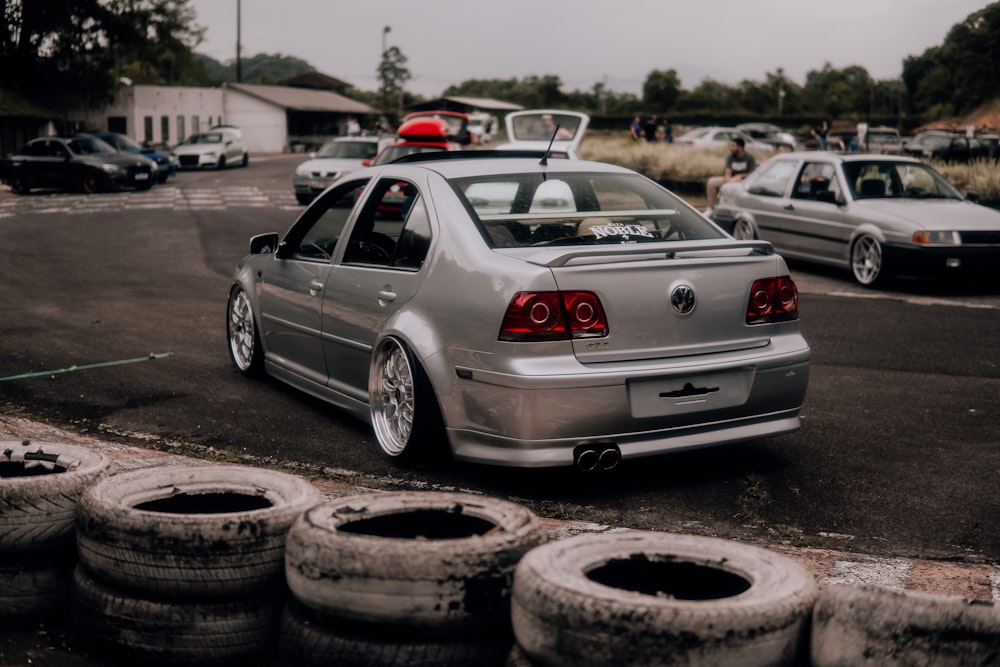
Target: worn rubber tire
(862,625)
(40,486)
(147,630)
(428,560)
(632,598)
(185,531)
(307,640)
(35,588)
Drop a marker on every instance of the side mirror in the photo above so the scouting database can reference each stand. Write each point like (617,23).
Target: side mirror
(264,244)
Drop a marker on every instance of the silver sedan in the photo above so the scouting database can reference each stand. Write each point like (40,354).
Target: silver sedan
(876,215)
(523,312)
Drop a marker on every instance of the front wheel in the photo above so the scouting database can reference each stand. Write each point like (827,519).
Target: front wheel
(404,413)
(743,231)
(246,160)
(245,349)
(92,182)
(221,164)
(19,185)
(867,262)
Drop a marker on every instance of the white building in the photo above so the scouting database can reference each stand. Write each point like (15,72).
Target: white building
(273,119)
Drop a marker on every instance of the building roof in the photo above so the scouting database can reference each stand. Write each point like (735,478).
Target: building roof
(316,80)
(303,99)
(465,104)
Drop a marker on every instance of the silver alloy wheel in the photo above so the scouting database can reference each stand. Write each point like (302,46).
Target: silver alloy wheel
(391,387)
(866,260)
(242,336)
(743,231)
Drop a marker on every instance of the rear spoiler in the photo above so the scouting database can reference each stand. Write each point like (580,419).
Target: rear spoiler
(679,250)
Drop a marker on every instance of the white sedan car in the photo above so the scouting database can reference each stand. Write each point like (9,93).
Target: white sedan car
(544,129)
(720,137)
(216,149)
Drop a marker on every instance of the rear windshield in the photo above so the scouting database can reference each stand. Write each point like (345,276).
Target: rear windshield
(521,210)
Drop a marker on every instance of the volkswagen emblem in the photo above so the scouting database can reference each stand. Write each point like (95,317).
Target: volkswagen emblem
(682,299)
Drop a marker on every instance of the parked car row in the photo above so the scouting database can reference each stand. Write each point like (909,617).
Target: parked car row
(103,161)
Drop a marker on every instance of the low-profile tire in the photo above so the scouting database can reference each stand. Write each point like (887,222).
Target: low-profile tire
(162,178)
(743,230)
(40,486)
(221,164)
(436,561)
(139,629)
(868,261)
(245,349)
(305,200)
(872,626)
(246,160)
(404,411)
(599,599)
(306,639)
(19,185)
(92,182)
(191,531)
(35,588)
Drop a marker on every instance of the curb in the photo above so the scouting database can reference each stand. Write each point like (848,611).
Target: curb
(973,581)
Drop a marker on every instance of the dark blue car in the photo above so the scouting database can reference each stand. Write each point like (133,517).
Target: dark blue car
(126,144)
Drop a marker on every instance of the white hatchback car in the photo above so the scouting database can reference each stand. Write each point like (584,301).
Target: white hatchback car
(218,148)
(535,129)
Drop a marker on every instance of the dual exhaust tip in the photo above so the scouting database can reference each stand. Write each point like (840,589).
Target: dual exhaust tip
(601,457)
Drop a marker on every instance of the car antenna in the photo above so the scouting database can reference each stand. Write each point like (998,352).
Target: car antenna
(545,158)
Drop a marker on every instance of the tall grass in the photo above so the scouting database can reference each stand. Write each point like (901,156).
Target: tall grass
(689,164)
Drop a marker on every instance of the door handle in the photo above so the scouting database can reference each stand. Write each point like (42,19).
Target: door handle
(789,207)
(315,287)
(385,296)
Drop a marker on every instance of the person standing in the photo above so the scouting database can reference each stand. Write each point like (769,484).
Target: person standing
(739,165)
(820,132)
(668,131)
(649,129)
(635,129)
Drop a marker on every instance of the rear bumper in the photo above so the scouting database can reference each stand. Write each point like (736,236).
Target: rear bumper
(944,261)
(538,421)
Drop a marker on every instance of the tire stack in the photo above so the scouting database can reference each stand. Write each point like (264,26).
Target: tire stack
(645,598)
(184,565)
(40,486)
(409,578)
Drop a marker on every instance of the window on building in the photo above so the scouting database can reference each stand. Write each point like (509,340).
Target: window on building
(195,125)
(180,129)
(165,129)
(147,129)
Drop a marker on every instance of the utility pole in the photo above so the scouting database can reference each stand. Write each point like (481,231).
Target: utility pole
(385,91)
(239,65)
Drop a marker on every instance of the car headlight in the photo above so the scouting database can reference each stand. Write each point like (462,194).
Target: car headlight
(111,168)
(937,238)
(303,173)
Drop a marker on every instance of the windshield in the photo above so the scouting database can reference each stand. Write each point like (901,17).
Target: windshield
(522,210)
(209,138)
(89,146)
(933,140)
(879,180)
(394,152)
(122,142)
(355,150)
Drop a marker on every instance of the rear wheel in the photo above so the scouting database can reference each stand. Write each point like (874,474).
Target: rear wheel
(867,262)
(404,413)
(743,230)
(19,185)
(246,160)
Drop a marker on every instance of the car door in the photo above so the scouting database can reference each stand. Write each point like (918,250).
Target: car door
(378,272)
(815,211)
(768,202)
(54,166)
(292,287)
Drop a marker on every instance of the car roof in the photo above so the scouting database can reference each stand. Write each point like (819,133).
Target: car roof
(836,156)
(463,163)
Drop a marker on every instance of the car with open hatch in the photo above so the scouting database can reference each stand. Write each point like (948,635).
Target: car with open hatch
(557,131)
(216,149)
(875,215)
(335,157)
(82,163)
(521,311)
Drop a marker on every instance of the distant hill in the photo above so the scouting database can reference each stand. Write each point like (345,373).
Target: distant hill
(262,68)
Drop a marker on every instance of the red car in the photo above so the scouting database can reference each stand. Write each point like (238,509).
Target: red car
(419,135)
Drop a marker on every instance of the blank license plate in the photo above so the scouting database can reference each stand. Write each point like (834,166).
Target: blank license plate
(689,393)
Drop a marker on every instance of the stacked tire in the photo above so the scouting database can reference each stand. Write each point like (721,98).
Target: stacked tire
(652,598)
(406,578)
(184,565)
(40,486)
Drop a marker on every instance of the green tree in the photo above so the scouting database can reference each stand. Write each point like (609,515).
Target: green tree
(392,74)
(661,90)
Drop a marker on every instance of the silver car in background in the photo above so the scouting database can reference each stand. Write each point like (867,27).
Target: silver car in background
(334,159)
(522,311)
(876,215)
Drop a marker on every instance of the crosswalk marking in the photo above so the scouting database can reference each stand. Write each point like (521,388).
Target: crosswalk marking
(161,197)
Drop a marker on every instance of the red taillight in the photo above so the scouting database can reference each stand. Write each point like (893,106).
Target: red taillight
(773,300)
(542,316)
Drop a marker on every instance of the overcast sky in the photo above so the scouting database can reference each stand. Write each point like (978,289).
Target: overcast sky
(583,42)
